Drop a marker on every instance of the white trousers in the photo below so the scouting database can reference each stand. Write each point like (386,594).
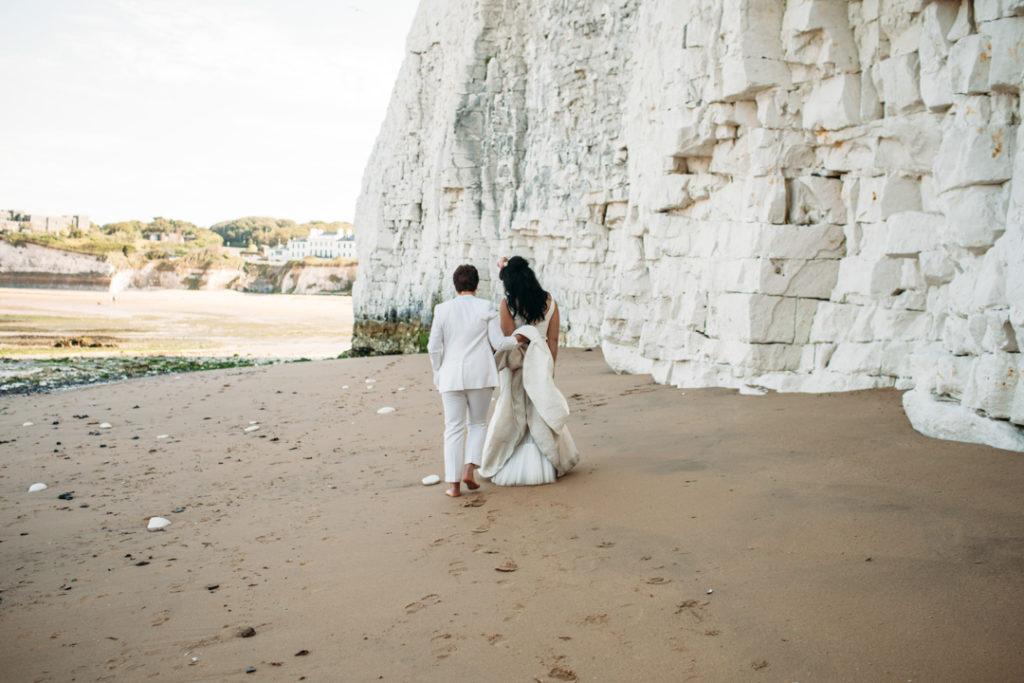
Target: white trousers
(463,446)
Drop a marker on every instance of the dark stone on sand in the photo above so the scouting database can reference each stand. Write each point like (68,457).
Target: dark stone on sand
(251,670)
(302,653)
(247,632)
(213,586)
(177,510)
(66,496)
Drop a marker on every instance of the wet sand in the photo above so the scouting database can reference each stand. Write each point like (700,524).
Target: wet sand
(176,322)
(705,536)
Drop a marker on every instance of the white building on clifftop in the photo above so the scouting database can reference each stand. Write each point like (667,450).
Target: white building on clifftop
(320,244)
(19,221)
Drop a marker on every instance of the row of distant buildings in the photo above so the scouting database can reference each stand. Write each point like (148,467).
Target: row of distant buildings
(327,245)
(18,221)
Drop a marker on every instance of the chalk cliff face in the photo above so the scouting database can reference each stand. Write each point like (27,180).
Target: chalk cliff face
(799,195)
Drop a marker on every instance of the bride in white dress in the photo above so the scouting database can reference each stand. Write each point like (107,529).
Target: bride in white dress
(527,441)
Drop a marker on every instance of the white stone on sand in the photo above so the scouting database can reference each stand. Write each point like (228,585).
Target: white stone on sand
(36,487)
(158,523)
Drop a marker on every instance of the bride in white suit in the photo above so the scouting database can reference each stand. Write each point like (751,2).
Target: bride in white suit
(464,335)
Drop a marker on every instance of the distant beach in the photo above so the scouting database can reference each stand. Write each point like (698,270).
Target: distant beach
(92,333)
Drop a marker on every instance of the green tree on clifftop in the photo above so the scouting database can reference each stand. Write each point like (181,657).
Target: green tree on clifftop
(259,230)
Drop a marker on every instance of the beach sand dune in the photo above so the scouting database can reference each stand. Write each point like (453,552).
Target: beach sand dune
(704,536)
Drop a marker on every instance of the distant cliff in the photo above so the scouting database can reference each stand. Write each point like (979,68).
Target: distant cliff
(31,265)
(810,195)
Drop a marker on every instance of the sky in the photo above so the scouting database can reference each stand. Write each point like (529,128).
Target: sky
(197,110)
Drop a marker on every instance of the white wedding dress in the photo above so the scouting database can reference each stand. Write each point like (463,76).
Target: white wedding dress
(527,441)
(526,467)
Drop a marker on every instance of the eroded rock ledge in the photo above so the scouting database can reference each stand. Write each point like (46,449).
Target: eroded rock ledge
(811,195)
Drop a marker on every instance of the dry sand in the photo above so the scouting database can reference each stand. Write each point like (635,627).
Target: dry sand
(839,544)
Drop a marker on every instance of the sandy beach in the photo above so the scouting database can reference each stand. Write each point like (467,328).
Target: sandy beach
(705,536)
(175,322)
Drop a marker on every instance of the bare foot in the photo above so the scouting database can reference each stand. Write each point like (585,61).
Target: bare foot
(453,491)
(467,477)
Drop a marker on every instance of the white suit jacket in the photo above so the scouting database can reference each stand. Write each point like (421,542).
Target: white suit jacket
(461,339)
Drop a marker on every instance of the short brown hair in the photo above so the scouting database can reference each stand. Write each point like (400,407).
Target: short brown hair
(465,278)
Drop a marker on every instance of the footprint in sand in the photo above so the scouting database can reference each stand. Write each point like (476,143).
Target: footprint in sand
(507,566)
(445,650)
(423,603)
(693,608)
(562,673)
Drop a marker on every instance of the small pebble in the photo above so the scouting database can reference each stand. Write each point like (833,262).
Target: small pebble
(36,487)
(66,496)
(247,632)
(431,479)
(251,670)
(385,410)
(177,510)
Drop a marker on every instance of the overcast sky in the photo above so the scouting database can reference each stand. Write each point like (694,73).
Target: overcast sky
(191,109)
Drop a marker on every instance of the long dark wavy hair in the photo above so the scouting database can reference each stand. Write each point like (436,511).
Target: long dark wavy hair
(523,294)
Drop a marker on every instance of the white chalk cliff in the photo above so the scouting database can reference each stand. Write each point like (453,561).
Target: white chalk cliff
(796,195)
